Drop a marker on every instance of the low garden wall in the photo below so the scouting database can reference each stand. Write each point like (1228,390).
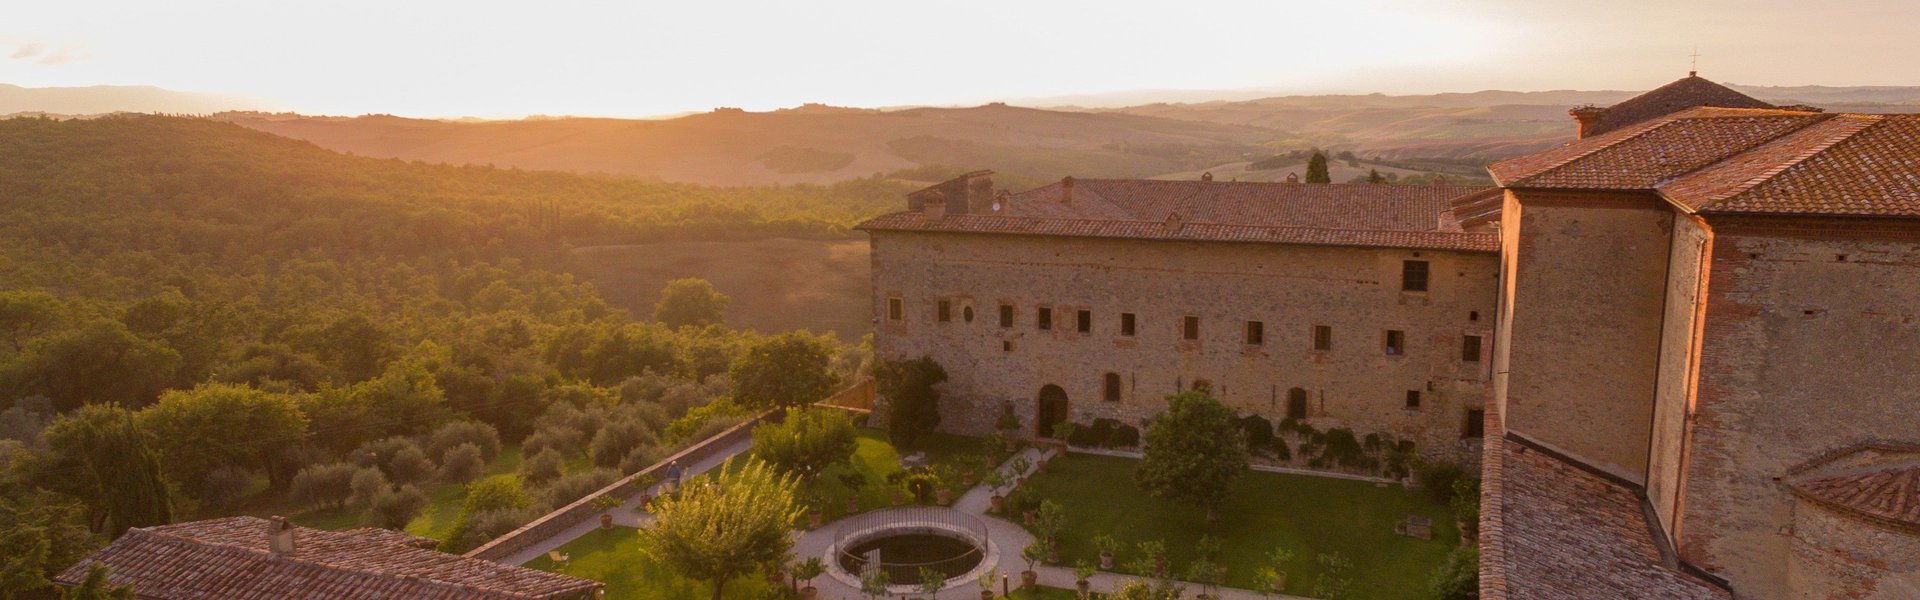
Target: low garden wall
(579,511)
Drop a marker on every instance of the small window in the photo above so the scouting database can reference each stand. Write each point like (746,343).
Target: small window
(1006,346)
(1083,321)
(946,311)
(1473,315)
(1470,348)
(1190,328)
(1110,388)
(1476,423)
(1126,324)
(895,311)
(1043,318)
(1256,333)
(966,314)
(1396,342)
(1413,276)
(1323,337)
(1296,403)
(1413,398)
(1006,315)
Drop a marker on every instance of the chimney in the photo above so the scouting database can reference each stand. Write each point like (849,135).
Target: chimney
(934,207)
(1585,117)
(1002,200)
(1207,176)
(1293,178)
(279,536)
(1066,189)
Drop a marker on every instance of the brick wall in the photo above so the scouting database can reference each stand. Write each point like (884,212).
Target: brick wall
(1290,289)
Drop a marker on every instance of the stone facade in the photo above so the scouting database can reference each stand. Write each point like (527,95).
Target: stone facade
(1289,289)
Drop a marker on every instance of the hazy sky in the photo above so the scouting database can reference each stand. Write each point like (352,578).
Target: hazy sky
(648,57)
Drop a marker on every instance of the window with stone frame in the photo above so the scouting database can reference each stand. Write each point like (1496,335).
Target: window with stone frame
(1470,348)
(1476,424)
(1006,316)
(1322,337)
(1190,328)
(1126,324)
(1043,318)
(1083,321)
(1413,399)
(896,310)
(1413,275)
(946,311)
(1395,343)
(1110,387)
(1256,333)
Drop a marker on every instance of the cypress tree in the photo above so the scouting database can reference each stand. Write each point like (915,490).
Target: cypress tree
(1317,168)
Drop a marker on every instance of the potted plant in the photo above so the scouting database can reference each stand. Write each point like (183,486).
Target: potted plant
(805,572)
(1033,553)
(1209,550)
(1062,433)
(966,478)
(606,504)
(995,482)
(1019,467)
(645,482)
(930,582)
(1048,521)
(1082,572)
(874,584)
(1008,423)
(853,481)
(1107,546)
(1201,570)
(943,496)
(986,583)
(1275,576)
(1156,552)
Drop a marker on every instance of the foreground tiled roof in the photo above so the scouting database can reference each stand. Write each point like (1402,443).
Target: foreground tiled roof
(1735,161)
(1551,530)
(1395,216)
(1878,482)
(228,559)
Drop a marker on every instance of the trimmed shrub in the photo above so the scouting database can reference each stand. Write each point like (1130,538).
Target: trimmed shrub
(1259,432)
(542,468)
(1124,436)
(410,466)
(456,433)
(575,486)
(1280,450)
(225,487)
(322,486)
(483,526)
(367,482)
(1459,578)
(462,464)
(1437,479)
(394,508)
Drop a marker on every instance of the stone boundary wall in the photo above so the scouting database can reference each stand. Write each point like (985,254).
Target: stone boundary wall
(858,397)
(580,510)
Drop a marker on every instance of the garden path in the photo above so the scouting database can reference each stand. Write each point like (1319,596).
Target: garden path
(1007,538)
(629,514)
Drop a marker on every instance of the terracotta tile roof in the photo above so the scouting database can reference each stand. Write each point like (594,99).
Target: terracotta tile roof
(1683,94)
(1288,213)
(228,559)
(1877,481)
(1735,161)
(1565,532)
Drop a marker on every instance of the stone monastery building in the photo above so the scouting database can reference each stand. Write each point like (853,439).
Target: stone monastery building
(1690,338)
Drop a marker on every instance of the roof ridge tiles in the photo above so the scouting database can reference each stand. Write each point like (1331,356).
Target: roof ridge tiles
(1854,124)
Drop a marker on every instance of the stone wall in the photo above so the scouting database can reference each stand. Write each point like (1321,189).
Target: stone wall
(1808,347)
(1289,289)
(1838,556)
(1585,309)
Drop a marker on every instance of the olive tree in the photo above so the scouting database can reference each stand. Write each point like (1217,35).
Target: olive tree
(725,527)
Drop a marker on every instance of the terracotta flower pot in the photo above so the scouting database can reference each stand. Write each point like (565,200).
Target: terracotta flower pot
(606,520)
(986,594)
(1084,586)
(1028,515)
(809,592)
(1159,565)
(1012,444)
(1106,561)
(1029,579)
(999,503)
(1053,556)
(941,496)
(853,504)
(899,498)
(1220,575)
(966,479)
(813,519)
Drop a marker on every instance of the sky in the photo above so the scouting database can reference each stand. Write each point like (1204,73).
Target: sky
(439,58)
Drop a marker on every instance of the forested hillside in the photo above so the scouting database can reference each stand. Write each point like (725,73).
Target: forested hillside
(198,319)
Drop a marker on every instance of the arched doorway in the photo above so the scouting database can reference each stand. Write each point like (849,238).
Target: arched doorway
(1050,411)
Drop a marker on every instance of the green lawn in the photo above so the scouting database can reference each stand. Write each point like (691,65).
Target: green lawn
(875,458)
(612,556)
(1307,515)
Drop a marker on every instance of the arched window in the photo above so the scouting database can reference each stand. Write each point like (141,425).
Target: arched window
(1110,388)
(1296,403)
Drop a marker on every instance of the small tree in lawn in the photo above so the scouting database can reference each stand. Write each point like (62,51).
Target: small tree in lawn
(1195,452)
(807,442)
(874,583)
(931,581)
(724,528)
(691,301)
(806,571)
(912,402)
(986,582)
(1333,583)
(791,369)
